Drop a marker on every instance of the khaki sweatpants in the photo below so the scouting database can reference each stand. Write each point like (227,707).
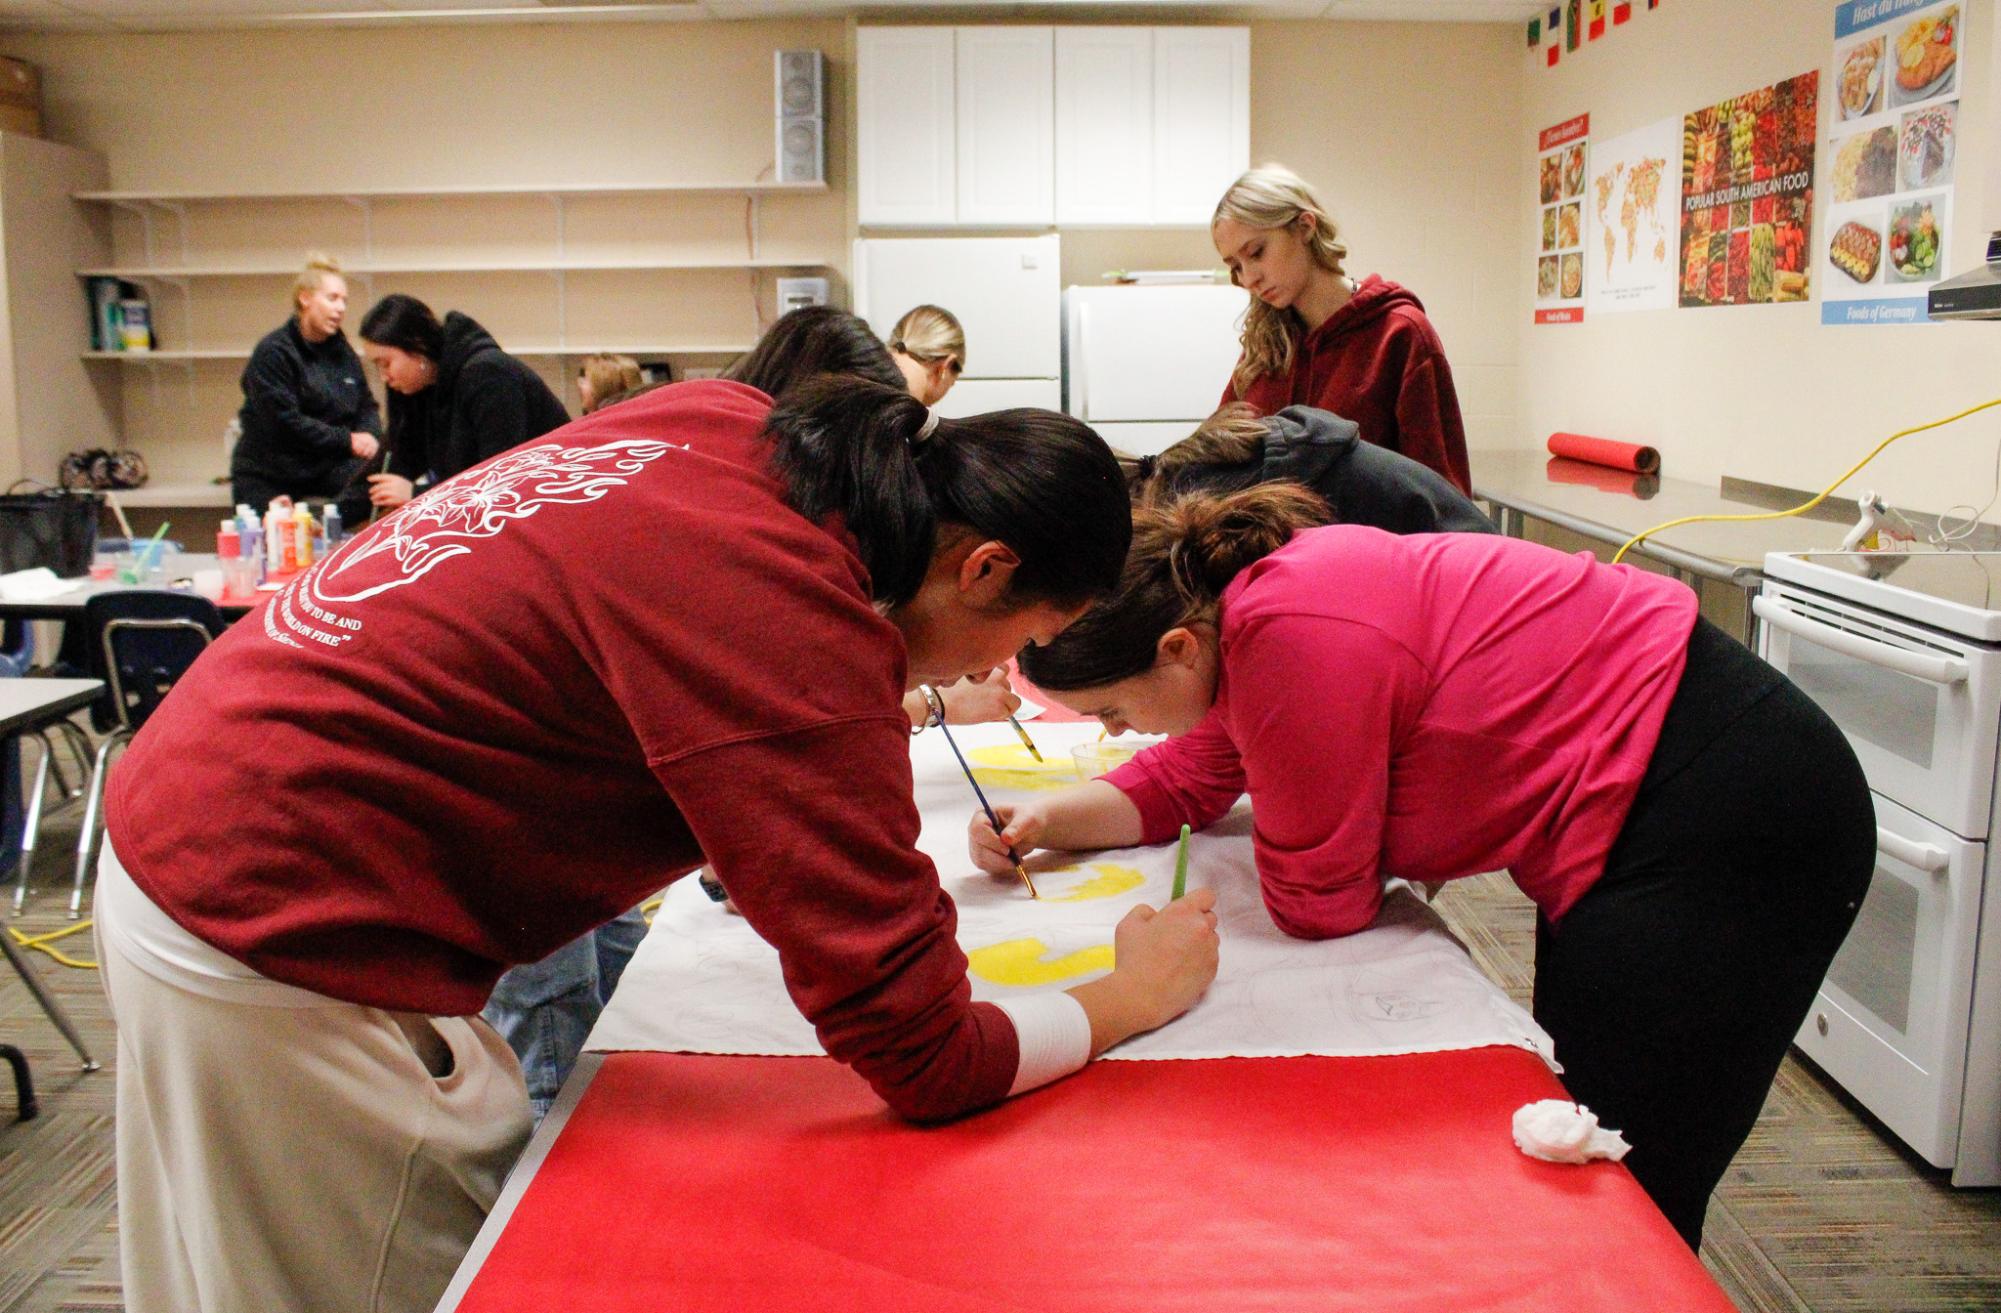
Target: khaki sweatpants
(336,1158)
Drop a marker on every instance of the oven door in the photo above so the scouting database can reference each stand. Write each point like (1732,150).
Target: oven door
(1920,707)
(1890,1022)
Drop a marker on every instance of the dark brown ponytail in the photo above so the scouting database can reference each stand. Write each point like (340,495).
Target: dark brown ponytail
(1042,483)
(1184,555)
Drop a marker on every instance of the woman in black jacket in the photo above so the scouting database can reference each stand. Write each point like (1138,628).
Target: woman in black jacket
(455,398)
(309,422)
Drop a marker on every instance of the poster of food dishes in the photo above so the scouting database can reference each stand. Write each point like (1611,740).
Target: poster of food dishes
(1893,145)
(1561,155)
(1747,196)
(1630,221)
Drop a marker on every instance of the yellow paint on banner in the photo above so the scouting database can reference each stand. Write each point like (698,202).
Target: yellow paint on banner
(1008,766)
(1109,882)
(1020,963)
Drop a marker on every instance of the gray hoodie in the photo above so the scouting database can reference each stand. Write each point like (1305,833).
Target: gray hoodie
(1364,483)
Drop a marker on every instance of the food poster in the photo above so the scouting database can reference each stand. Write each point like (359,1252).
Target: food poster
(1747,196)
(1630,221)
(1893,144)
(1560,200)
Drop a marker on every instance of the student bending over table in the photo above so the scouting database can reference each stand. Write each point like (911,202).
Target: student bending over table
(1696,834)
(545,1010)
(677,631)
(1361,483)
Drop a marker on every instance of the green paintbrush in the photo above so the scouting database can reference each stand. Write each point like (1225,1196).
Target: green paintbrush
(1181,866)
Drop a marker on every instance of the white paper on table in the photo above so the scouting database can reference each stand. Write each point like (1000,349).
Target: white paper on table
(703,982)
(33,585)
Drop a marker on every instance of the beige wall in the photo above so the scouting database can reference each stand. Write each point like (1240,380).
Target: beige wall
(1414,178)
(1762,392)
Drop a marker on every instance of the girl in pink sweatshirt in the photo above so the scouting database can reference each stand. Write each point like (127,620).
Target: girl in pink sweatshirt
(1695,833)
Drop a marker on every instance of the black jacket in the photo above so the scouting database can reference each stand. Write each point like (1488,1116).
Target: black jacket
(1364,483)
(301,402)
(483,402)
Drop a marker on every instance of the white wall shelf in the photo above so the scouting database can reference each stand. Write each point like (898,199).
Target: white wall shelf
(455,193)
(155,495)
(140,273)
(540,349)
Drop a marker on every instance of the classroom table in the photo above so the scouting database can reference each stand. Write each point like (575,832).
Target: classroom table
(69,605)
(1610,506)
(698,1181)
(24,704)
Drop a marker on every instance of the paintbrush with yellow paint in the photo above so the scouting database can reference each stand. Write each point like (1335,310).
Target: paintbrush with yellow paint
(937,705)
(1026,741)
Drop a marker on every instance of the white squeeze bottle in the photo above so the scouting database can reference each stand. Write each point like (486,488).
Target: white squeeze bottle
(330,519)
(275,538)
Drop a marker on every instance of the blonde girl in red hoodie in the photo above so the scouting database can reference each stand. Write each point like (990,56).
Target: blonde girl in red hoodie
(1314,336)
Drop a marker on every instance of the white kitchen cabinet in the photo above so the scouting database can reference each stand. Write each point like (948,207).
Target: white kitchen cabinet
(1033,126)
(906,115)
(1104,125)
(1201,118)
(1006,125)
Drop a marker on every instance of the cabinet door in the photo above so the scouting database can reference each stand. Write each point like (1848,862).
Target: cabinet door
(904,125)
(1104,125)
(1006,119)
(1202,118)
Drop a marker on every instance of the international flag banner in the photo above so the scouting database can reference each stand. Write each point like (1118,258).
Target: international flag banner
(1622,10)
(1552,38)
(1597,16)
(1573,24)
(1535,33)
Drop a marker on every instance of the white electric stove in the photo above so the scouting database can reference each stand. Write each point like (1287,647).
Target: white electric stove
(1903,650)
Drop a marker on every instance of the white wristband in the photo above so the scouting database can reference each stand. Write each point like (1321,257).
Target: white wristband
(1054,1035)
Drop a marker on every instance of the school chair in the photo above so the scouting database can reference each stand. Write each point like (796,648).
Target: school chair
(142,642)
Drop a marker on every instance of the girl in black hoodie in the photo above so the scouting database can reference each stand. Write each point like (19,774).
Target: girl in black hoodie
(455,398)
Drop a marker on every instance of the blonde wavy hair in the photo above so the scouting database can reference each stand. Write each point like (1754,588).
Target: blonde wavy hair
(1273,196)
(930,333)
(319,265)
(610,376)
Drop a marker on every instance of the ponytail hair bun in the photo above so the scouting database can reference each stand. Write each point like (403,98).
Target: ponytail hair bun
(1206,540)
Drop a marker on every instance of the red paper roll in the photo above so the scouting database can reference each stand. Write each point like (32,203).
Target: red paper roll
(1561,469)
(1629,456)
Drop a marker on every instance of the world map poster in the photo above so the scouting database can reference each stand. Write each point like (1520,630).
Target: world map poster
(1631,220)
(1747,196)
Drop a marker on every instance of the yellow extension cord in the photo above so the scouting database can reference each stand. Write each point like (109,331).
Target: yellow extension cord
(1803,507)
(41,944)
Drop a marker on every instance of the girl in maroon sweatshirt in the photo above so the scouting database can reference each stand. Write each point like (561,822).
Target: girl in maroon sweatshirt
(1315,337)
(677,631)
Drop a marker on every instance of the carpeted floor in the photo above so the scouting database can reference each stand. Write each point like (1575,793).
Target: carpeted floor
(1821,1211)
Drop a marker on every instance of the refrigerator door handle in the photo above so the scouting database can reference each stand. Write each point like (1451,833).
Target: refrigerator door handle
(1081,378)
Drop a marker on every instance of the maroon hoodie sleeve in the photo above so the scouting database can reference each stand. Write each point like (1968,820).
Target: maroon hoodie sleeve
(1428,423)
(813,831)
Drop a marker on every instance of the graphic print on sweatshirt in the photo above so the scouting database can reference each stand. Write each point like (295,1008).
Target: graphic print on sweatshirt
(321,606)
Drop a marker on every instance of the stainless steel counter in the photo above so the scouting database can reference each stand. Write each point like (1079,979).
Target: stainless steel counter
(1608,507)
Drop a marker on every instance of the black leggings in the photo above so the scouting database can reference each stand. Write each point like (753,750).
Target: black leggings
(1673,987)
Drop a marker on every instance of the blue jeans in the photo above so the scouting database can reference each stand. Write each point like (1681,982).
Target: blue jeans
(545,1010)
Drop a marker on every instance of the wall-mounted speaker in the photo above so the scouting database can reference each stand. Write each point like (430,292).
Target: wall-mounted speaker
(799,95)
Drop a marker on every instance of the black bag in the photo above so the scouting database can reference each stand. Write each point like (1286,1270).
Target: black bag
(51,528)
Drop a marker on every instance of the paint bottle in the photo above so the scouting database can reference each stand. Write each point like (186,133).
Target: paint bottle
(331,525)
(302,536)
(281,556)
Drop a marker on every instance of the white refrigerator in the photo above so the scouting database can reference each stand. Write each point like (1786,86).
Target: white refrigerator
(1005,293)
(1143,365)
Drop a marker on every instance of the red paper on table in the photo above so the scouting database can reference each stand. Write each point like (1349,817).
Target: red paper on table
(1286,1185)
(1628,456)
(1561,469)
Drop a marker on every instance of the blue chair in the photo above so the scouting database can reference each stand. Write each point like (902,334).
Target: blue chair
(142,642)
